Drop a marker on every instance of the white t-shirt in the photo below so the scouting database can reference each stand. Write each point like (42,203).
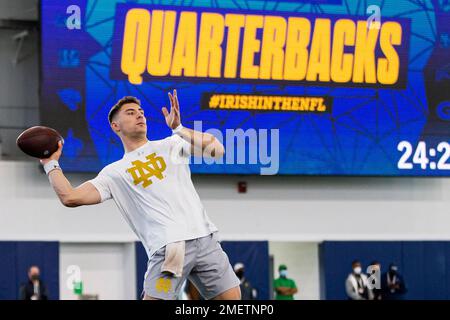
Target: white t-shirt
(153,189)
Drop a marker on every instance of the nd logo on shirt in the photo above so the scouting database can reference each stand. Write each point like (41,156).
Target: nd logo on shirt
(142,172)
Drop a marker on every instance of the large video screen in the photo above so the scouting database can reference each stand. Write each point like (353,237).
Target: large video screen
(323,87)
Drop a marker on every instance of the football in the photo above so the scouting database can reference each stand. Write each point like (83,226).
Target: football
(39,142)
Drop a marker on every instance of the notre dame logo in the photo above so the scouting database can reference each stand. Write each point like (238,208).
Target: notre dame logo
(163,284)
(143,171)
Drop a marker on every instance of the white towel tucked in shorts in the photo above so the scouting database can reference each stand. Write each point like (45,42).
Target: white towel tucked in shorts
(174,258)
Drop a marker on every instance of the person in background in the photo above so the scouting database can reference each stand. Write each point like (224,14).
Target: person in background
(247,290)
(374,280)
(284,287)
(393,285)
(356,284)
(34,288)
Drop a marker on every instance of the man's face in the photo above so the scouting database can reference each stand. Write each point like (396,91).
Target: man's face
(374,268)
(357,268)
(33,273)
(130,121)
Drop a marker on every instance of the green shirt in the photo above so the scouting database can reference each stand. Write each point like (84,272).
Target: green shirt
(284,282)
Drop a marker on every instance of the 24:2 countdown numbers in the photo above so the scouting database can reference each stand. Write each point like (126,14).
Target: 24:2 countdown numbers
(427,158)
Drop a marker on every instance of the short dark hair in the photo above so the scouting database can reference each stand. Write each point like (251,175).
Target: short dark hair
(355,262)
(115,108)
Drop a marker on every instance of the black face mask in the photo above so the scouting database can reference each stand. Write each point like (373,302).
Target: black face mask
(240,274)
(34,277)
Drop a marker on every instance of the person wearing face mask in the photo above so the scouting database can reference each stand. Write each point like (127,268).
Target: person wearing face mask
(284,287)
(356,284)
(374,279)
(34,288)
(247,290)
(392,284)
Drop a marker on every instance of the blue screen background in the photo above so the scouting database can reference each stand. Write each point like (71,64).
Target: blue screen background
(359,137)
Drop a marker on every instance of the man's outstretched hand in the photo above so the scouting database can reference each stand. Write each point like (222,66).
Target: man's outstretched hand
(55,156)
(173,118)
